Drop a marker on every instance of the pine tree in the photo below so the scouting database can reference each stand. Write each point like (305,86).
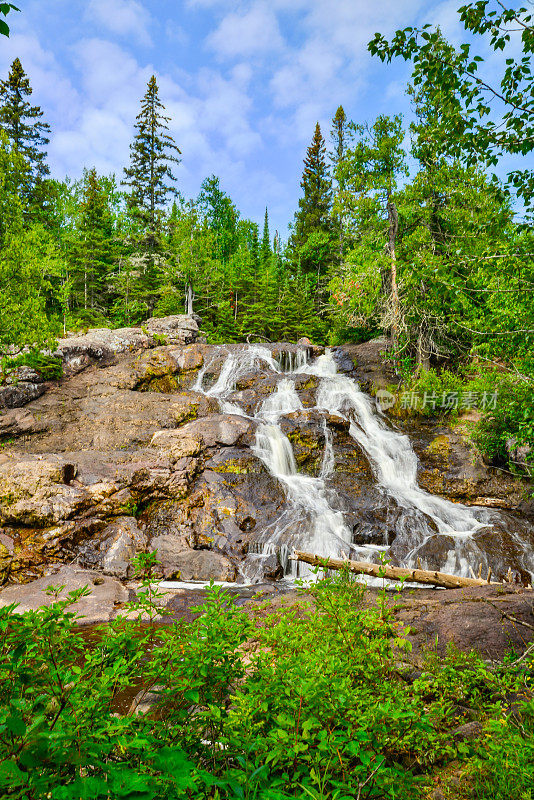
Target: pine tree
(265,240)
(26,132)
(152,153)
(316,203)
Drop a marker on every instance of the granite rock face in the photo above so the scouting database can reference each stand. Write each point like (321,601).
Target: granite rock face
(124,455)
(99,346)
(133,452)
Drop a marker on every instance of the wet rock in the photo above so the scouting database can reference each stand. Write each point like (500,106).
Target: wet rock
(262,383)
(181,563)
(235,460)
(450,467)
(228,510)
(306,388)
(305,430)
(162,369)
(314,349)
(101,605)
(272,569)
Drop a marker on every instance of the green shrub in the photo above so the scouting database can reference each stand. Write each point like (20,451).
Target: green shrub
(312,700)
(511,419)
(437,385)
(503,767)
(48,366)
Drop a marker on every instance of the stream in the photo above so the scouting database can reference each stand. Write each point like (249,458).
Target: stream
(314,519)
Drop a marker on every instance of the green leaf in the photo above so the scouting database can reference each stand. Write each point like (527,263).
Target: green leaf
(192,696)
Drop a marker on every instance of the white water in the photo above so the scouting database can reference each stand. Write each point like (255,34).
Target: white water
(312,522)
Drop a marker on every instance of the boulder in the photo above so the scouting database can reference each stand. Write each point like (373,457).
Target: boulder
(366,363)
(100,605)
(177,329)
(120,542)
(101,345)
(182,563)
(16,396)
(161,368)
(217,430)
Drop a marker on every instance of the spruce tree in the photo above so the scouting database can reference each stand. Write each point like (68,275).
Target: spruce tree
(339,140)
(152,154)
(316,202)
(265,240)
(27,133)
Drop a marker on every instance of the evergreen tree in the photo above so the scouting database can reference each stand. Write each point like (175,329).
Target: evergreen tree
(93,245)
(27,133)
(265,240)
(339,135)
(152,154)
(339,140)
(316,202)
(222,217)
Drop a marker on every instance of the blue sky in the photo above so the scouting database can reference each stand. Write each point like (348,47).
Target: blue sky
(244,82)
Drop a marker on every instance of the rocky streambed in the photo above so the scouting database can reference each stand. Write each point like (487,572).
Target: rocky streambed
(224,458)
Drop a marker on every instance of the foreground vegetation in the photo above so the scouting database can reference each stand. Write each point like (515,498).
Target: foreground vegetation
(314,700)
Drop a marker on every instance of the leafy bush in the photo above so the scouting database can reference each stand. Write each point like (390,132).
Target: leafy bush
(503,765)
(313,700)
(512,419)
(86,318)
(431,383)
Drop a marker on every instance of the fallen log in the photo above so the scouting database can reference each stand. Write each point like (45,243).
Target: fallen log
(425,576)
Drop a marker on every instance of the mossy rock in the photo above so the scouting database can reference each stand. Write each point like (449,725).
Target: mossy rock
(439,451)
(165,385)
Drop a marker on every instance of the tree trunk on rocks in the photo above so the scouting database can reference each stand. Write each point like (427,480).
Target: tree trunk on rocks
(390,573)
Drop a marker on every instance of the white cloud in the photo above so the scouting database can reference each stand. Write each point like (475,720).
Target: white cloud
(52,89)
(124,17)
(247,34)
(175,33)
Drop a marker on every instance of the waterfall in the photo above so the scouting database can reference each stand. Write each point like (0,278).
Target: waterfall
(234,367)
(313,519)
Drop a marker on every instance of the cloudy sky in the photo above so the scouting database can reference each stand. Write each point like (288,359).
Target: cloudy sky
(244,81)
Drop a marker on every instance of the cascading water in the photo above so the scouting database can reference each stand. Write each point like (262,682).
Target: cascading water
(313,519)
